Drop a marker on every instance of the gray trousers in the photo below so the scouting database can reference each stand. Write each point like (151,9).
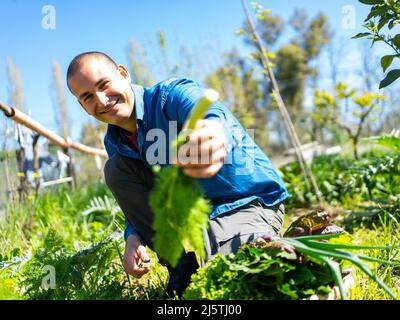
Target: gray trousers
(131,181)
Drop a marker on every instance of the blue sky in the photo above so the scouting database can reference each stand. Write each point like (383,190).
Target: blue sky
(107,26)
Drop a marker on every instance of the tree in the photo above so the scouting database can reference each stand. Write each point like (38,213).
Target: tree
(60,100)
(141,74)
(92,134)
(293,60)
(242,93)
(16,100)
(16,94)
(330,108)
(291,70)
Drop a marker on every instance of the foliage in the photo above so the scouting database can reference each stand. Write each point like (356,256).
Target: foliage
(391,140)
(180,209)
(237,87)
(281,268)
(328,172)
(375,177)
(330,108)
(16,92)
(180,214)
(105,210)
(141,75)
(292,61)
(383,13)
(79,234)
(82,274)
(242,91)
(60,101)
(256,273)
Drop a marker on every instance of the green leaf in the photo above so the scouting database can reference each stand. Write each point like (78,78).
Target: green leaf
(384,19)
(391,141)
(285,289)
(386,61)
(353,258)
(337,275)
(396,41)
(361,35)
(371,2)
(392,76)
(180,209)
(392,23)
(377,39)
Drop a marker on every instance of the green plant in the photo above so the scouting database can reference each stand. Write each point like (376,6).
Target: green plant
(178,203)
(56,270)
(383,13)
(391,140)
(283,268)
(329,109)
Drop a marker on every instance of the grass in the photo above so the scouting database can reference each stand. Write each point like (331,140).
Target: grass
(51,230)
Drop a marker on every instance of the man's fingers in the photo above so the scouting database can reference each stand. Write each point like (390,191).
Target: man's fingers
(216,158)
(212,129)
(135,268)
(137,263)
(129,264)
(203,172)
(143,258)
(205,153)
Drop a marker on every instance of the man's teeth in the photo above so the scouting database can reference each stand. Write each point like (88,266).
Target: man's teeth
(108,109)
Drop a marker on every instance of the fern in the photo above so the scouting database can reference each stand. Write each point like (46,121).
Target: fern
(106,210)
(180,209)
(103,205)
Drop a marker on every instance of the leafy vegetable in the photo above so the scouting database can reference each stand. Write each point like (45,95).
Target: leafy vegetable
(283,268)
(178,203)
(259,273)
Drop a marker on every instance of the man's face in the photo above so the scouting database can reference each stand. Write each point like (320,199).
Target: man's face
(103,91)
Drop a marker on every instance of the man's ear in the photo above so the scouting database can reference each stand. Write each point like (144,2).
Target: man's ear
(123,72)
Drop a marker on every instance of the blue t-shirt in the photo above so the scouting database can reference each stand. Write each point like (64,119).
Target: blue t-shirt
(161,111)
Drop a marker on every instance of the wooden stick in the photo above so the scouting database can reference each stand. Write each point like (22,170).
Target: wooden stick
(23,119)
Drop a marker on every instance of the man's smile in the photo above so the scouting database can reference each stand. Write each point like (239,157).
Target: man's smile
(109,107)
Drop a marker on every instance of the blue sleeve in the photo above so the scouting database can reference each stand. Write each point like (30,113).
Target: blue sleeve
(129,230)
(183,95)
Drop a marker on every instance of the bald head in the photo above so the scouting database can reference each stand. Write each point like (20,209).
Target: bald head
(76,62)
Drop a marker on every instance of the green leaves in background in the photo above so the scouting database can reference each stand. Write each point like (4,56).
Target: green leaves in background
(383,13)
(392,76)
(391,140)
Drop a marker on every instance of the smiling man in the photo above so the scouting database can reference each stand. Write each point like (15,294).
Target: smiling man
(246,192)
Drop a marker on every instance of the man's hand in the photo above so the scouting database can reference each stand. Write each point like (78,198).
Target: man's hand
(203,154)
(136,259)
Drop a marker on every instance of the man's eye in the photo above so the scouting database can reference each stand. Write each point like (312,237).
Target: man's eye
(104,84)
(88,97)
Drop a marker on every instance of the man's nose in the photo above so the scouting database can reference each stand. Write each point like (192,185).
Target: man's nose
(101,99)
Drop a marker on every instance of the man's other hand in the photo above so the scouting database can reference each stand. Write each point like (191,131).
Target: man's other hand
(203,154)
(136,259)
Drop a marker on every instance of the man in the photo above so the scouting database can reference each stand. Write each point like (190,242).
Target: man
(245,190)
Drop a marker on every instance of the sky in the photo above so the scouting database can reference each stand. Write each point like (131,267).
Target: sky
(32,39)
